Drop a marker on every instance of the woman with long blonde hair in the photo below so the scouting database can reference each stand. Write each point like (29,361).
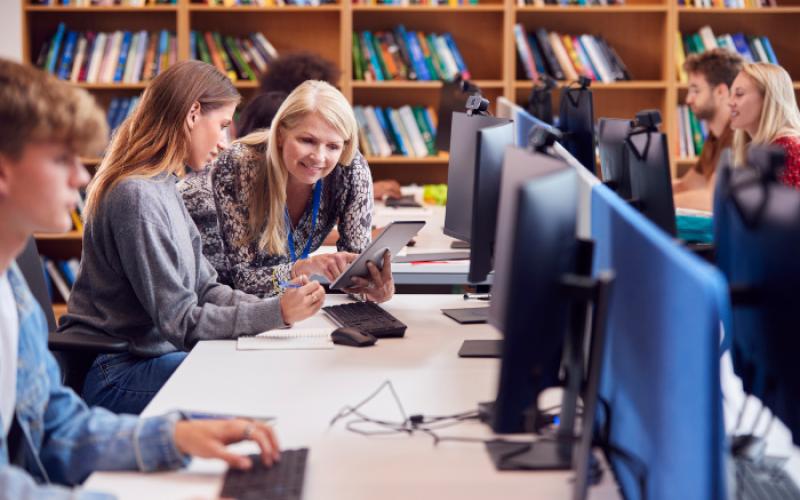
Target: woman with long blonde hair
(271,198)
(764,111)
(143,277)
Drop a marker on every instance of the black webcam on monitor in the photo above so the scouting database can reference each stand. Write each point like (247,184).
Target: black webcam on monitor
(477,105)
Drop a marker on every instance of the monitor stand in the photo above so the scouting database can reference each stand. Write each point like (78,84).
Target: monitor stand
(481,349)
(468,315)
(458,244)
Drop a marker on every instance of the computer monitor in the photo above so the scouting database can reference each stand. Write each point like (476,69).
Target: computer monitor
(525,122)
(452,98)
(576,121)
(757,240)
(586,181)
(535,247)
(611,136)
(651,183)
(461,172)
(660,413)
(491,146)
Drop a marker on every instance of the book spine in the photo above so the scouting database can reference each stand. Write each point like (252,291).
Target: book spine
(387,130)
(55,47)
(80,55)
(400,38)
(417,142)
(123,56)
(358,69)
(459,59)
(549,56)
(68,56)
(427,137)
(418,59)
(392,126)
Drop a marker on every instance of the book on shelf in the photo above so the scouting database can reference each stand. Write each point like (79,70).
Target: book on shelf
(404,131)
(261,3)
(107,57)
(728,4)
(692,133)
(59,277)
(564,3)
(104,3)
(119,109)
(242,58)
(567,57)
(753,48)
(400,54)
(403,3)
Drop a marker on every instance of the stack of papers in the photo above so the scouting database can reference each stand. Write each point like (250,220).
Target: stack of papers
(293,338)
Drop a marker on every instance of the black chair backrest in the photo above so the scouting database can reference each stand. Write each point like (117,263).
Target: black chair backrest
(31,266)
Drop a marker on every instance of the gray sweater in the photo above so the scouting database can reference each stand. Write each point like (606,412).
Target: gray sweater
(143,277)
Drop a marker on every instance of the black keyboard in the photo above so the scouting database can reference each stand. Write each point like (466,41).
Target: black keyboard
(282,481)
(367,317)
(763,482)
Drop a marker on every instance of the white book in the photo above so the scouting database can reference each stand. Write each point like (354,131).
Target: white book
(687,127)
(111,59)
(598,60)
(292,338)
(96,57)
(141,50)
(762,54)
(445,55)
(368,143)
(707,35)
(681,133)
(374,127)
(414,135)
(58,280)
(130,61)
(80,54)
(267,46)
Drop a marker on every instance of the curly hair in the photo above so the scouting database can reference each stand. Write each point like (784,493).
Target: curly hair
(716,65)
(35,106)
(259,112)
(290,70)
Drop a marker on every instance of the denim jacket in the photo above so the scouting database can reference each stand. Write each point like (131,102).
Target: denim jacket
(64,440)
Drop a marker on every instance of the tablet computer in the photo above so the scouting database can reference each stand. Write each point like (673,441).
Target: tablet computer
(393,238)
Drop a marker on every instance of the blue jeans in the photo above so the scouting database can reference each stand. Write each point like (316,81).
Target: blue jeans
(125,383)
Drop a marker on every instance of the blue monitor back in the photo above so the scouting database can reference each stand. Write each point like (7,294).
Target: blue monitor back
(757,246)
(661,374)
(524,123)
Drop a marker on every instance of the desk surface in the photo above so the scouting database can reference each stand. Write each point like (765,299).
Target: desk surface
(306,389)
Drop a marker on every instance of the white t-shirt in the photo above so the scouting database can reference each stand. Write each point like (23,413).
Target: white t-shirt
(9,339)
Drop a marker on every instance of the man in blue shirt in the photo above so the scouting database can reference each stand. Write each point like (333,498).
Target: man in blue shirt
(49,438)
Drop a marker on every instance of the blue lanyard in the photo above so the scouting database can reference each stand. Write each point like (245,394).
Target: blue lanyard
(314,213)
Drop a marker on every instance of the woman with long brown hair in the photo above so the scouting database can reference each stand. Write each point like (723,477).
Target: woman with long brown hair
(143,277)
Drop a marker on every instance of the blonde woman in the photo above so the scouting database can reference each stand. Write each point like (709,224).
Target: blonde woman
(271,198)
(143,276)
(764,111)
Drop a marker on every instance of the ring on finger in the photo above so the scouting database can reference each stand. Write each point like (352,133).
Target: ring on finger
(248,431)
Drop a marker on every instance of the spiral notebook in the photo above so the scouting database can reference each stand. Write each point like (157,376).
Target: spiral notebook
(293,338)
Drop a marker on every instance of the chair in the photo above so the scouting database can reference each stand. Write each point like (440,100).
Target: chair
(75,352)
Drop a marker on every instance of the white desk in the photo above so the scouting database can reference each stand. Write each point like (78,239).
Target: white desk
(305,389)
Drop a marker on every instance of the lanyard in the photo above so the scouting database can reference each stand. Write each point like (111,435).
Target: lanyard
(314,213)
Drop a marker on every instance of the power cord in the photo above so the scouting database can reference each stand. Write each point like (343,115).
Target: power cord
(427,424)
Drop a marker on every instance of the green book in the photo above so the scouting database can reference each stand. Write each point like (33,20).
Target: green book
(426,55)
(358,63)
(223,54)
(438,63)
(697,133)
(376,47)
(422,125)
(245,68)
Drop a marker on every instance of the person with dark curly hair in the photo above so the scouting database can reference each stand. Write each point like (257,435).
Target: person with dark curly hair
(282,77)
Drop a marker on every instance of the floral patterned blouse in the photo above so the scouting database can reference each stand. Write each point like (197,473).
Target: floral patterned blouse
(791,173)
(218,200)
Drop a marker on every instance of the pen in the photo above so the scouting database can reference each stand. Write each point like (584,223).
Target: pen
(286,284)
(201,415)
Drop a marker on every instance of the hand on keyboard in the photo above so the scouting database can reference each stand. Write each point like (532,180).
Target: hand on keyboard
(209,438)
(380,285)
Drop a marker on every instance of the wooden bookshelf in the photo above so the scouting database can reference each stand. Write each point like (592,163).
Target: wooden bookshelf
(642,32)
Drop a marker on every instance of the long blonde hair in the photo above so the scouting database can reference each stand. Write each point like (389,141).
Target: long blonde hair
(155,138)
(779,114)
(268,200)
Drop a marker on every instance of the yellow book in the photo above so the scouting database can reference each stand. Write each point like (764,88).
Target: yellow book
(76,219)
(680,58)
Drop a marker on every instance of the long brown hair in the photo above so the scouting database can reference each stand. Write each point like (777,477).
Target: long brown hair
(155,138)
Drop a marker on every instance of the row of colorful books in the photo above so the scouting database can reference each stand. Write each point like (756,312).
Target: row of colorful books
(566,57)
(692,133)
(451,3)
(105,3)
(728,4)
(240,57)
(59,276)
(261,3)
(542,3)
(119,109)
(405,131)
(113,57)
(751,48)
(406,55)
